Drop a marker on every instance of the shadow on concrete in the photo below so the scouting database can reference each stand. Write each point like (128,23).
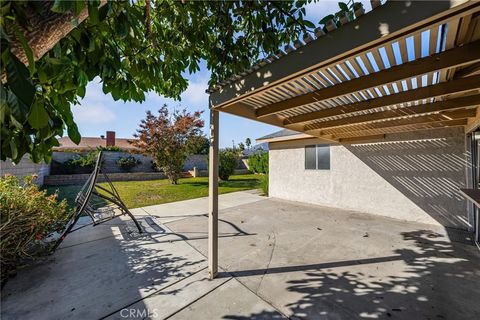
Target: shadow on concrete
(437,284)
(100,270)
(305,267)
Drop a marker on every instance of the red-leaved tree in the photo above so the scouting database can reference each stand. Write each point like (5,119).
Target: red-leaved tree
(165,138)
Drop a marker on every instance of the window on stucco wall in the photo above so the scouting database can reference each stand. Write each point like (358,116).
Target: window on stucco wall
(317,157)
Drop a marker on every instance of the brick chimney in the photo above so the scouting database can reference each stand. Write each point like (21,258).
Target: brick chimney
(110,138)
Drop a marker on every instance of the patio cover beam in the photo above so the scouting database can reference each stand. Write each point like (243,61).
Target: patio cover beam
(438,106)
(423,119)
(456,57)
(432,91)
(367,134)
(389,21)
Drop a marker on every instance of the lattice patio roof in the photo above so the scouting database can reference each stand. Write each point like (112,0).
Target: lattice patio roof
(404,66)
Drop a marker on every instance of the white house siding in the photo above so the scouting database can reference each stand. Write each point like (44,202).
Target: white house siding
(414,176)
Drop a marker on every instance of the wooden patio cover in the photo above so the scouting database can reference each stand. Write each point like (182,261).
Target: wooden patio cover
(404,66)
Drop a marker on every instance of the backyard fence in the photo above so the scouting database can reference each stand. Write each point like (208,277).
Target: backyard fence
(56,172)
(25,168)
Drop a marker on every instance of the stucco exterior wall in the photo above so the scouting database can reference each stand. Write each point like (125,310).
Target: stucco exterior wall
(414,176)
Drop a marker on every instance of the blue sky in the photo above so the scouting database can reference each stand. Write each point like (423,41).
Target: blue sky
(98,112)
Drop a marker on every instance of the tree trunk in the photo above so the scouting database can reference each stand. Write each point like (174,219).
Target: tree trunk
(48,29)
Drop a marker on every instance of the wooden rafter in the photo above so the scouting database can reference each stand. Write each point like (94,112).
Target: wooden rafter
(433,91)
(344,44)
(456,57)
(467,71)
(423,119)
(362,138)
(438,106)
(405,128)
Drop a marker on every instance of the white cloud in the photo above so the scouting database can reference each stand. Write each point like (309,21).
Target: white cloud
(195,93)
(193,98)
(93,113)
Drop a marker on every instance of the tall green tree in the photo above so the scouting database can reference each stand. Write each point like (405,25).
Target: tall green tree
(52,49)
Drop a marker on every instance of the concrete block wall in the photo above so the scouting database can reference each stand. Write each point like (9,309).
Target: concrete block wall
(409,176)
(25,168)
(196,160)
(68,179)
(111,158)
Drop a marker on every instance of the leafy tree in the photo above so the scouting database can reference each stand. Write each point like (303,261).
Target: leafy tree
(241,147)
(52,49)
(165,138)
(258,162)
(228,160)
(248,143)
(198,145)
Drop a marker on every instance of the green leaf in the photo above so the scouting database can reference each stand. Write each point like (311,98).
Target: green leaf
(38,117)
(82,78)
(308,24)
(3,95)
(3,111)
(81,91)
(78,6)
(61,6)
(343,6)
(13,149)
(42,76)
(122,26)
(73,133)
(26,48)
(3,35)
(17,80)
(17,108)
(326,19)
(93,14)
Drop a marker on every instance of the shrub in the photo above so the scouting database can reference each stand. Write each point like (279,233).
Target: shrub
(228,160)
(128,163)
(110,148)
(86,160)
(27,217)
(264,184)
(258,162)
(82,163)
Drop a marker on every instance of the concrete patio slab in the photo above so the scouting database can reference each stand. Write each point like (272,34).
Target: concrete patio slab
(167,302)
(91,279)
(179,210)
(278,259)
(318,262)
(232,300)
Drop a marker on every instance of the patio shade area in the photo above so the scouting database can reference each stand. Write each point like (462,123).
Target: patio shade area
(403,67)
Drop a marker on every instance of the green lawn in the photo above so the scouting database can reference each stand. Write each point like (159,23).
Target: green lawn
(146,193)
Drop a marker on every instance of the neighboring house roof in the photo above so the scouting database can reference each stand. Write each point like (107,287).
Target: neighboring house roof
(87,143)
(282,135)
